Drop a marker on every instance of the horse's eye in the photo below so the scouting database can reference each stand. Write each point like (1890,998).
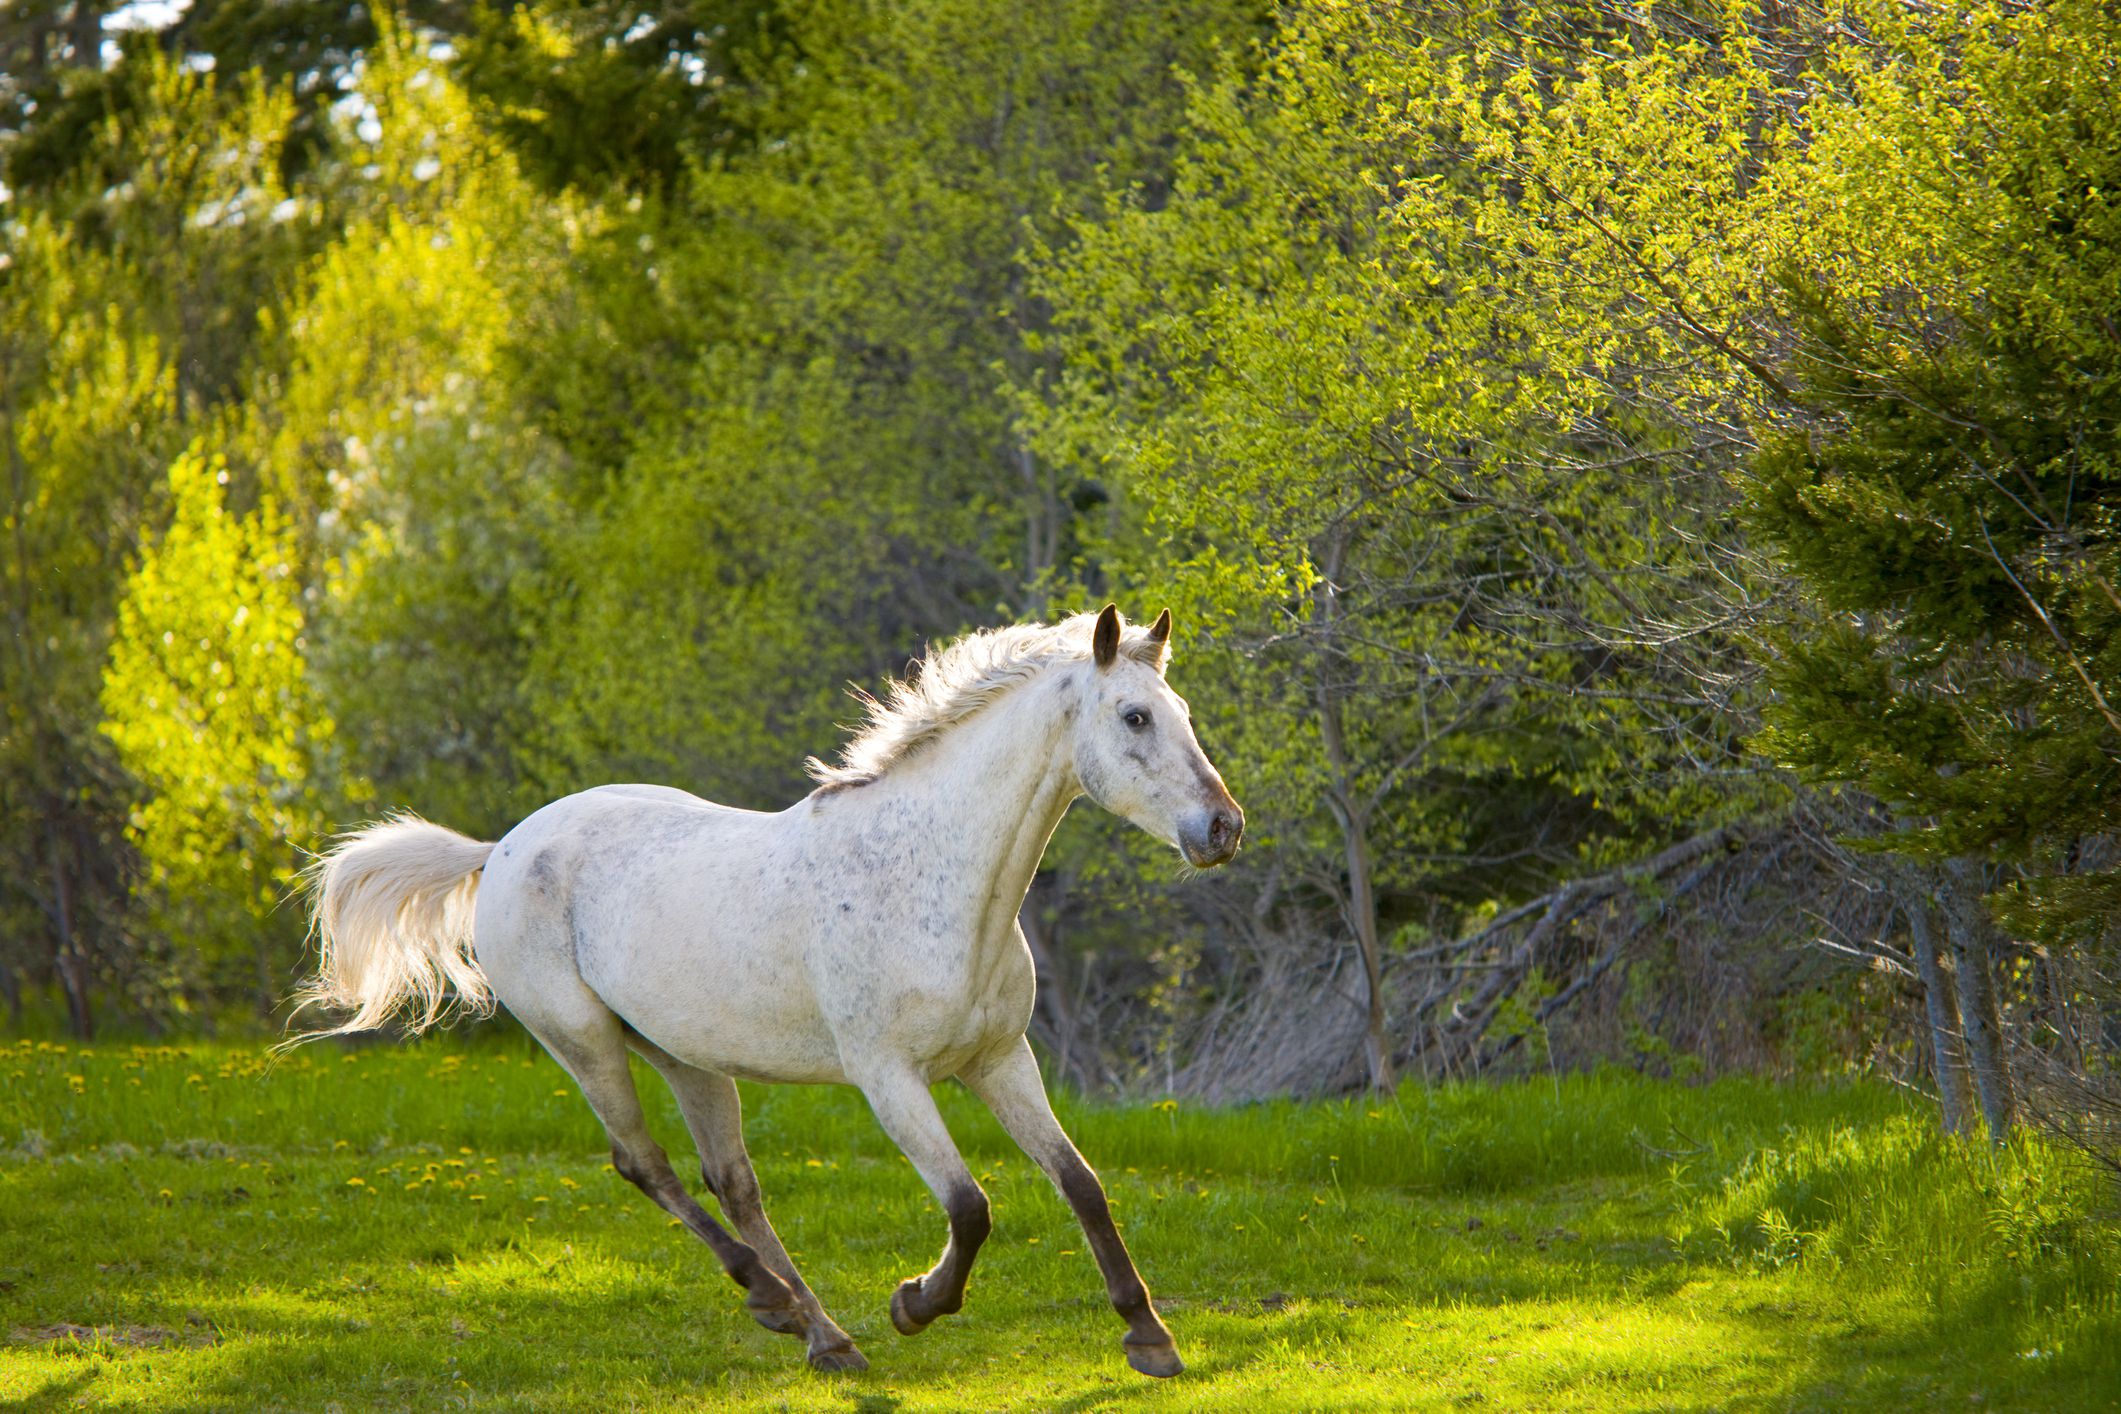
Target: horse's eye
(1136,718)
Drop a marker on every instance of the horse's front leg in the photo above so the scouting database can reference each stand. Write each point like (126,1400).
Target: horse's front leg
(1010,1086)
(908,1114)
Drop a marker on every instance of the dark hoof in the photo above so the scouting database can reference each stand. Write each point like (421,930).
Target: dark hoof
(902,1315)
(1157,1361)
(838,1361)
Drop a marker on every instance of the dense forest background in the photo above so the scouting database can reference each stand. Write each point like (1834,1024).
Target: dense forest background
(1636,485)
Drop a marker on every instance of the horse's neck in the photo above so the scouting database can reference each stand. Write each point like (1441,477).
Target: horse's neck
(995,786)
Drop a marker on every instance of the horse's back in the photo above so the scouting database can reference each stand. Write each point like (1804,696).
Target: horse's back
(550,848)
(661,906)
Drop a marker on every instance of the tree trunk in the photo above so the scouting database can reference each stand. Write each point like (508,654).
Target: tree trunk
(1362,906)
(85,32)
(1343,796)
(1976,944)
(261,963)
(69,961)
(1362,895)
(1947,1062)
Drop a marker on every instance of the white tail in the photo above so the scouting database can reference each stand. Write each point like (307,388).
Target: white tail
(391,905)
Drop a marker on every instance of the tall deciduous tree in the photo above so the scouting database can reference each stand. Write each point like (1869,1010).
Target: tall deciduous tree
(1398,404)
(211,709)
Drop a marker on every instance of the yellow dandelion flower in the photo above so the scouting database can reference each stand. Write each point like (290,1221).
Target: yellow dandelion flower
(478,1197)
(357,1182)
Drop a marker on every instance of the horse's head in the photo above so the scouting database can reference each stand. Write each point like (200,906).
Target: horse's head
(1135,753)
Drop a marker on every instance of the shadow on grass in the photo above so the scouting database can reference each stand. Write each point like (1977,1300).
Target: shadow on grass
(1973,1350)
(59,1392)
(874,1403)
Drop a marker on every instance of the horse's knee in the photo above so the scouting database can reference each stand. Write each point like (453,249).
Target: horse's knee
(630,1166)
(735,1187)
(648,1169)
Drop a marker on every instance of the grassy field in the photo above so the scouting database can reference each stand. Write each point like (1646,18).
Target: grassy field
(435,1227)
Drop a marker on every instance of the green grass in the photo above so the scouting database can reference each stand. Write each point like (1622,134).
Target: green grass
(435,1227)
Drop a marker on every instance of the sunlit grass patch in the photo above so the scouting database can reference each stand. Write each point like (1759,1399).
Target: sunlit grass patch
(437,1226)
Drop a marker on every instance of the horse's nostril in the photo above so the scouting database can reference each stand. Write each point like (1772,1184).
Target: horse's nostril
(1219,831)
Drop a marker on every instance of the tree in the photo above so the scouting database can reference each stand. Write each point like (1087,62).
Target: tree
(832,473)
(1950,501)
(1392,406)
(211,710)
(383,417)
(129,285)
(93,393)
(89,397)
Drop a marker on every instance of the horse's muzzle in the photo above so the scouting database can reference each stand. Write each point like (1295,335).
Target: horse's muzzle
(1211,836)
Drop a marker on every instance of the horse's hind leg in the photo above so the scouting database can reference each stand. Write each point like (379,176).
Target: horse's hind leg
(593,1050)
(714,1114)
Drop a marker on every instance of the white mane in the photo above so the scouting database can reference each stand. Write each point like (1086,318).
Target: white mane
(956,682)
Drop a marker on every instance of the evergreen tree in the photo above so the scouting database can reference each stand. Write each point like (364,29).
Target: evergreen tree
(1951,499)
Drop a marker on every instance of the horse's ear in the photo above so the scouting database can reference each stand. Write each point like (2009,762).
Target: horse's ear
(1104,639)
(1160,632)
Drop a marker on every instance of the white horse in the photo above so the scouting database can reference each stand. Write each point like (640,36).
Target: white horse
(866,935)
